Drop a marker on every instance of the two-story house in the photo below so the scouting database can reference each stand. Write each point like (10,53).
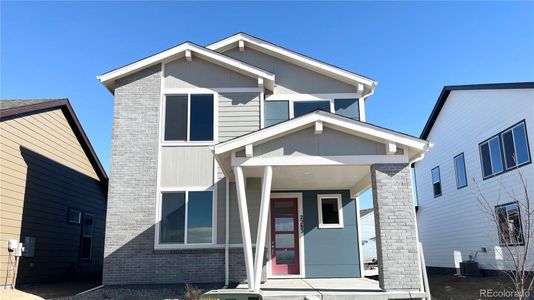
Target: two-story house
(477,169)
(241,162)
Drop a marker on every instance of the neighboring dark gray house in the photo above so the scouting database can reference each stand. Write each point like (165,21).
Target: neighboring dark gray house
(241,161)
(52,194)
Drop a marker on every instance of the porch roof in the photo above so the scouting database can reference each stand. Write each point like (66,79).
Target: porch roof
(399,147)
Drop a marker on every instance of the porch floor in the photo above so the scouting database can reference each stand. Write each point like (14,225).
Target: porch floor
(328,289)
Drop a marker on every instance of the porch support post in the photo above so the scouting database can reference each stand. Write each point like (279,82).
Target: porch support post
(396,228)
(245,225)
(262,225)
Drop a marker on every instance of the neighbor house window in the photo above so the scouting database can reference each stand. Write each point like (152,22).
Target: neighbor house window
(74,216)
(436,182)
(514,141)
(505,151)
(304,107)
(189,117)
(87,236)
(459,168)
(347,107)
(186,217)
(509,224)
(330,211)
(276,112)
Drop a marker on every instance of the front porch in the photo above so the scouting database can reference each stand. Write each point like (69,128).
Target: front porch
(315,166)
(328,289)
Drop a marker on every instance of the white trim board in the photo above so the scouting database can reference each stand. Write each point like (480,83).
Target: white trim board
(329,120)
(293,57)
(178,52)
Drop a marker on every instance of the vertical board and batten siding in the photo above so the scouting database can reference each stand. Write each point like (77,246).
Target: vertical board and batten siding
(455,221)
(290,78)
(186,166)
(44,171)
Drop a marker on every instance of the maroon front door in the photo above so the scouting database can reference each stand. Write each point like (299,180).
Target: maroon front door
(284,237)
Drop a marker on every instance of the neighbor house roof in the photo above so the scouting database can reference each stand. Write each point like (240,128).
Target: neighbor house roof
(188,49)
(14,108)
(291,56)
(365,212)
(448,89)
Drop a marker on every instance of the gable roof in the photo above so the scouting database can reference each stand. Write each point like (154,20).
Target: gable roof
(180,51)
(448,89)
(332,120)
(292,56)
(15,108)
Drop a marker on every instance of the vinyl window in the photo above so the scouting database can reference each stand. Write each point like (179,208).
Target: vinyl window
(330,211)
(509,228)
(74,216)
(436,182)
(348,108)
(459,170)
(87,236)
(189,117)
(186,217)
(276,112)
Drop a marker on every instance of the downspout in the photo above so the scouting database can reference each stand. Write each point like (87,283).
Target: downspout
(364,98)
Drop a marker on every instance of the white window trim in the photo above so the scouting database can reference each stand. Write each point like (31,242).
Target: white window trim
(185,245)
(189,92)
(320,198)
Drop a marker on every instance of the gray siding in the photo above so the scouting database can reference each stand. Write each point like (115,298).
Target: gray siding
(290,78)
(330,142)
(203,74)
(239,114)
(319,259)
(186,166)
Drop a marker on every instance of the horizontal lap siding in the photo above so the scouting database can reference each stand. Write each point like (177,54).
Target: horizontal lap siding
(455,221)
(239,114)
(43,172)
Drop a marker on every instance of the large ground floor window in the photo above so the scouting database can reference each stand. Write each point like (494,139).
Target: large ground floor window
(186,217)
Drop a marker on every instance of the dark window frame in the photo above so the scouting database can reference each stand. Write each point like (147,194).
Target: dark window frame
(432,180)
(188,116)
(296,102)
(79,216)
(502,153)
(500,236)
(458,187)
(84,235)
(185,242)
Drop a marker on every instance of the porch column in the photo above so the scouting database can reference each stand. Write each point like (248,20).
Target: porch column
(262,225)
(245,225)
(397,249)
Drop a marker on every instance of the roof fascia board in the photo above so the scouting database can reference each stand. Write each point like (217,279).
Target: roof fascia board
(166,55)
(332,121)
(292,56)
(448,89)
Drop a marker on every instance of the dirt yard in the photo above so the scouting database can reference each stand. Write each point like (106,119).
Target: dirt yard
(447,287)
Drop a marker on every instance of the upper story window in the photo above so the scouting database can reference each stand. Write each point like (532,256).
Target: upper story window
(509,224)
(459,169)
(277,111)
(189,117)
(186,217)
(304,107)
(505,151)
(436,182)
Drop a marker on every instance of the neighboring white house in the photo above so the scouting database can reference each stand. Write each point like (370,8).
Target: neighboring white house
(368,232)
(476,132)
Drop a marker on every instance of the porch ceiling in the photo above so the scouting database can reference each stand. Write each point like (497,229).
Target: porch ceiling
(313,177)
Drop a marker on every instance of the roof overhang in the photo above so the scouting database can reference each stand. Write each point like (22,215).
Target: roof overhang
(414,147)
(245,40)
(189,50)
